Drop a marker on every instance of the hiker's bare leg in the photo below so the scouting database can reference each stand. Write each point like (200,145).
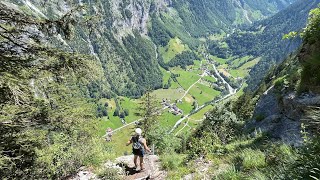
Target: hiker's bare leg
(141,163)
(135,160)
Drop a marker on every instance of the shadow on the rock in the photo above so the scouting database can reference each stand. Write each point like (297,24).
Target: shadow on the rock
(127,169)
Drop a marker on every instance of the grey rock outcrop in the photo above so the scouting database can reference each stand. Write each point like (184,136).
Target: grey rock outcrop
(280,115)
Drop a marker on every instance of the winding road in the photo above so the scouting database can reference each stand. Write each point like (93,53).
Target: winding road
(230,89)
(187,91)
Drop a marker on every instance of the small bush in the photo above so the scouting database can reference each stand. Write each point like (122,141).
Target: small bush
(230,174)
(280,154)
(108,174)
(171,161)
(258,175)
(252,159)
(307,165)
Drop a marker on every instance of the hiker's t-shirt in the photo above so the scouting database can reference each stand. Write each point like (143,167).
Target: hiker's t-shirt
(137,146)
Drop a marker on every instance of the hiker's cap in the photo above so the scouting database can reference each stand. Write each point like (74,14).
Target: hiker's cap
(138,131)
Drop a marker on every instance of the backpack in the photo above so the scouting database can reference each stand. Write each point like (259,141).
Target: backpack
(136,144)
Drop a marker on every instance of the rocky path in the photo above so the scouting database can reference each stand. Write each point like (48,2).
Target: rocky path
(152,168)
(124,166)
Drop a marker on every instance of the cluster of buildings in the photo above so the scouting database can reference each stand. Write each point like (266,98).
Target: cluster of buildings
(173,108)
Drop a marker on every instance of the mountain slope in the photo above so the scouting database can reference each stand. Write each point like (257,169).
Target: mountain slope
(115,33)
(265,39)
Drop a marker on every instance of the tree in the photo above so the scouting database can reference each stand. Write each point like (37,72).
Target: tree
(116,112)
(126,112)
(46,120)
(149,111)
(104,112)
(122,115)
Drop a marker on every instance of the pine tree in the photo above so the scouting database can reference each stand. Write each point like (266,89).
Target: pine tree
(149,110)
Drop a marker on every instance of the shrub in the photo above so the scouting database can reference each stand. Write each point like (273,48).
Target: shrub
(307,166)
(164,142)
(171,161)
(230,174)
(108,174)
(251,159)
(126,112)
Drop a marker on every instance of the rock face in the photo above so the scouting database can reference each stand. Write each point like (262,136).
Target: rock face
(280,117)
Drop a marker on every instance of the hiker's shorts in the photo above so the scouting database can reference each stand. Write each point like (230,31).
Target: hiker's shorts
(138,152)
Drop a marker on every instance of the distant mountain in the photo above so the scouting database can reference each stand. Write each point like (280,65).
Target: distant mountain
(265,38)
(199,18)
(116,32)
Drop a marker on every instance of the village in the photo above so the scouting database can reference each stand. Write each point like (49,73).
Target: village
(172,107)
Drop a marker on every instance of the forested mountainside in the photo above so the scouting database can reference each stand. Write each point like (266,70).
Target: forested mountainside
(190,18)
(265,39)
(46,118)
(115,33)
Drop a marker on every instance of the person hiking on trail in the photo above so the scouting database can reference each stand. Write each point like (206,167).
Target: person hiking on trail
(139,145)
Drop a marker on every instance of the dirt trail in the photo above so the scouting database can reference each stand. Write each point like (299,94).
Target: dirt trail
(152,168)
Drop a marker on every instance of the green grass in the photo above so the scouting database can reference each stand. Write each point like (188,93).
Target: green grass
(186,78)
(250,64)
(199,115)
(114,121)
(230,174)
(119,140)
(174,47)
(244,70)
(238,73)
(218,60)
(238,61)
(210,79)
(166,76)
(196,64)
(185,106)
(252,159)
(170,94)
(131,105)
(167,119)
(203,93)
(174,164)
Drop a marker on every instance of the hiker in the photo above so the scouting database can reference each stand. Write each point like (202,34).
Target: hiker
(139,145)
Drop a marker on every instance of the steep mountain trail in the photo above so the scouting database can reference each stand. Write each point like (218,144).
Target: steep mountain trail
(124,166)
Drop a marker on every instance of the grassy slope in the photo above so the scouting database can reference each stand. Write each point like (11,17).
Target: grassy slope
(174,47)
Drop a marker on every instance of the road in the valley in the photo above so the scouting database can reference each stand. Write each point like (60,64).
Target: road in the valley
(230,90)
(187,91)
